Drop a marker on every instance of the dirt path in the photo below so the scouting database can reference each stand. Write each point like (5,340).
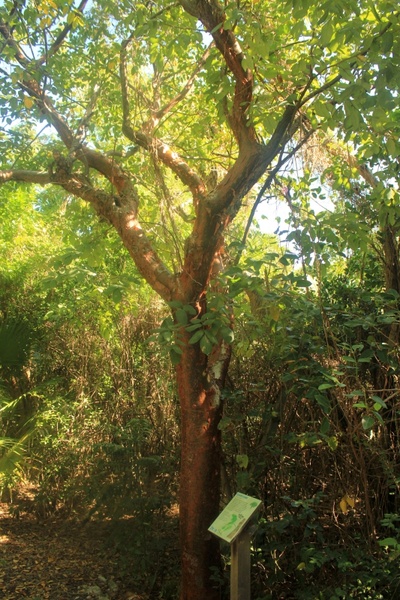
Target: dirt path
(57,560)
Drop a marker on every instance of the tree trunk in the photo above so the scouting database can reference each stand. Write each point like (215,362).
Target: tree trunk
(201,410)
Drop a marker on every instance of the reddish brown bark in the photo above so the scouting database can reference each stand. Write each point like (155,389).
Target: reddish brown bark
(200,378)
(199,384)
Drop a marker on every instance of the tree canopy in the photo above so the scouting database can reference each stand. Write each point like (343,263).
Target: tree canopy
(173,123)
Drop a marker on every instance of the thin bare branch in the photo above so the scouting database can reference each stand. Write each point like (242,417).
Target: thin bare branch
(185,90)
(172,160)
(327,85)
(160,149)
(84,122)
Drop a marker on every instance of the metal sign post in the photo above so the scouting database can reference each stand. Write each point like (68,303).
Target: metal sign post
(236,525)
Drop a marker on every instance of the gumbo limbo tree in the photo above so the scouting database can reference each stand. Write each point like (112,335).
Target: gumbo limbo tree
(164,117)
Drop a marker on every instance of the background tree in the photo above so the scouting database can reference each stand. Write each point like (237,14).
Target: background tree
(239,88)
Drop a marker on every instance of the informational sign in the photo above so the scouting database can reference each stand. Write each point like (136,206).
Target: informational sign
(236,514)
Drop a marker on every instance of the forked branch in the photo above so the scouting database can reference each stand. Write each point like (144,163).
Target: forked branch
(160,150)
(164,110)
(212,16)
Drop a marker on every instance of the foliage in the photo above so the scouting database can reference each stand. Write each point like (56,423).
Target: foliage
(154,126)
(296,550)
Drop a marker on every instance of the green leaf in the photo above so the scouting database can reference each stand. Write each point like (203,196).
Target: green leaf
(368,422)
(206,345)
(242,479)
(190,309)
(360,405)
(332,442)
(194,326)
(211,336)
(325,426)
(323,402)
(196,337)
(242,460)
(288,258)
(392,148)
(378,417)
(326,34)
(181,316)
(227,335)
(302,282)
(378,402)
(325,386)
(216,28)
(387,41)
(224,423)
(356,393)
(175,304)
(389,542)
(175,354)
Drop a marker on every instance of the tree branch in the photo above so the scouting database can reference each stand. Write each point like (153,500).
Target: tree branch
(212,16)
(39,177)
(123,218)
(125,221)
(121,210)
(9,40)
(267,184)
(56,45)
(172,160)
(90,158)
(160,149)
(330,83)
(185,90)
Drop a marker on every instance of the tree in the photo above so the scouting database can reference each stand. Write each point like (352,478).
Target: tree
(190,85)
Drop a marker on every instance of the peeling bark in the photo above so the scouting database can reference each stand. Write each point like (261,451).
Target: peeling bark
(200,381)
(200,378)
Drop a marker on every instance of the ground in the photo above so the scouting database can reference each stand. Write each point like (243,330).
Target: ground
(58,559)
